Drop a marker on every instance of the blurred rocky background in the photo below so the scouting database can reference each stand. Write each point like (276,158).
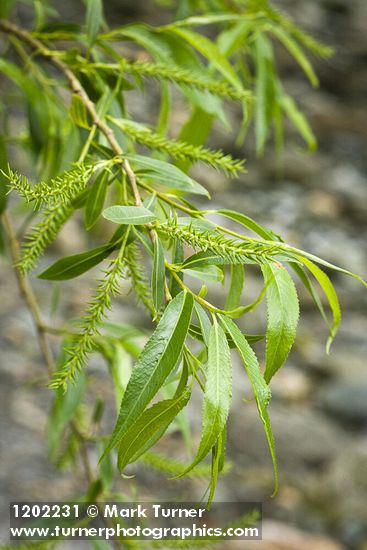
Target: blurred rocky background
(319,406)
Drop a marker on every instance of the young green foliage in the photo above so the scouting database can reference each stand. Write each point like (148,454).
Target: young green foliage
(217,395)
(86,153)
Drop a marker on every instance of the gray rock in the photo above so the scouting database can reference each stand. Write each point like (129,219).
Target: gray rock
(345,399)
(344,484)
(305,438)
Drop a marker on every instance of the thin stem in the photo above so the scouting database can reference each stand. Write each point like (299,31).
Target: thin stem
(200,300)
(77,88)
(171,202)
(196,213)
(189,355)
(31,301)
(28,294)
(88,143)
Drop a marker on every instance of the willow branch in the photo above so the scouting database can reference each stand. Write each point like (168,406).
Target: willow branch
(77,88)
(31,302)
(26,291)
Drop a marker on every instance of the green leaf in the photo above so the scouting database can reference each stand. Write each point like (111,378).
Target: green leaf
(210,19)
(234,37)
(218,393)
(77,264)
(158,274)
(177,258)
(205,258)
(301,272)
(211,51)
(265,89)
(168,175)
(6,8)
(63,409)
(299,120)
(78,112)
(129,215)
(37,105)
(296,51)
(205,324)
(141,35)
(95,200)
(120,363)
(210,273)
(165,108)
(217,465)
(155,419)
(94,19)
(283,314)
(260,388)
(170,466)
(197,223)
(244,220)
(236,287)
(181,423)
(330,294)
(195,131)
(155,363)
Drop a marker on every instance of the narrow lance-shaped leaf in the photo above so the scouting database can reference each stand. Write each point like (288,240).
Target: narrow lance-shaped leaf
(244,220)
(283,314)
(177,258)
(301,272)
(296,51)
(216,457)
(157,434)
(158,274)
(236,287)
(78,112)
(205,324)
(265,89)
(211,51)
(260,388)
(299,120)
(218,393)
(155,419)
(156,361)
(209,273)
(95,200)
(94,19)
(77,264)
(166,174)
(64,408)
(331,295)
(129,215)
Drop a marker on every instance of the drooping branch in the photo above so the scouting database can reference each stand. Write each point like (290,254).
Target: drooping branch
(28,294)
(76,87)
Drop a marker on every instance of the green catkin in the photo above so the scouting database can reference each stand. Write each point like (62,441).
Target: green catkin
(138,279)
(177,75)
(231,250)
(108,286)
(43,234)
(61,189)
(180,149)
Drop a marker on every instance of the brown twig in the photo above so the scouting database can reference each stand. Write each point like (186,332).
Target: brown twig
(26,291)
(30,299)
(77,88)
